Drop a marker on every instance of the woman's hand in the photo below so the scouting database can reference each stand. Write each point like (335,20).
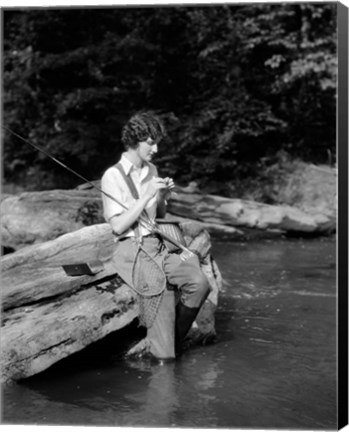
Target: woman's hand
(166,192)
(156,185)
(163,196)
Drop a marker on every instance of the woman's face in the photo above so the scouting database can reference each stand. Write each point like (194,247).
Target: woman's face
(146,149)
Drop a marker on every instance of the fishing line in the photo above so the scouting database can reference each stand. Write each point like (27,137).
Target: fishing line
(149,223)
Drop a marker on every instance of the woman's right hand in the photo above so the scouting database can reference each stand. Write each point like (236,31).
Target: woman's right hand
(155,185)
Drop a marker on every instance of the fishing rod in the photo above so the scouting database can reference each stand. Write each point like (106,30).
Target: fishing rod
(149,223)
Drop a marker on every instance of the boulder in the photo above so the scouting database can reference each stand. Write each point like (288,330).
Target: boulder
(48,315)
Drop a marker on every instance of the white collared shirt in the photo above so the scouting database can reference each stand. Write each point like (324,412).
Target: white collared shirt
(114,184)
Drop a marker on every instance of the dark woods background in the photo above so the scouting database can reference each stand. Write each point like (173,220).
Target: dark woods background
(242,89)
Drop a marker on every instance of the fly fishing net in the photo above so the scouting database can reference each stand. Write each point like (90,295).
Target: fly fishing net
(149,282)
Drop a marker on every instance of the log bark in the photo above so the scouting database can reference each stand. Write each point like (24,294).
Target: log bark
(34,217)
(249,214)
(48,315)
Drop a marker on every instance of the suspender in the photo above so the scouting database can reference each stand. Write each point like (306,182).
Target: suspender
(128,180)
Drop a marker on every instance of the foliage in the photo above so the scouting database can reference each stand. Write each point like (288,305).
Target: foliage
(235,84)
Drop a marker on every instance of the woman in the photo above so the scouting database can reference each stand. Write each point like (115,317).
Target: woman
(134,182)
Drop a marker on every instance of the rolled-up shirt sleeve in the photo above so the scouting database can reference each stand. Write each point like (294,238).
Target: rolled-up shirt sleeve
(110,184)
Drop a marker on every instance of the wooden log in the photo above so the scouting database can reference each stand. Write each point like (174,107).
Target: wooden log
(34,217)
(48,315)
(34,273)
(37,335)
(242,213)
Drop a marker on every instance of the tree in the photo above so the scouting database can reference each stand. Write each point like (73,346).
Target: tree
(235,84)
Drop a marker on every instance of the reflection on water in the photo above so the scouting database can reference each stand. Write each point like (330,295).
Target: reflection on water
(273,366)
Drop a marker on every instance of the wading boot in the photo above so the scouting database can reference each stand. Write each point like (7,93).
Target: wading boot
(159,344)
(185,316)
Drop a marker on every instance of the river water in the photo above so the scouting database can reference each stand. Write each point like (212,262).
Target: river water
(273,364)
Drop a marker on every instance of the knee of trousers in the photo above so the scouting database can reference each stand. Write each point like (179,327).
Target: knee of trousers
(195,290)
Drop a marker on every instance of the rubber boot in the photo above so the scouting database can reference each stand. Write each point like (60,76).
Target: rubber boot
(185,316)
(159,343)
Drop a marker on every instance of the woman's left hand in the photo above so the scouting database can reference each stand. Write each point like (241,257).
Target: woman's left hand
(166,192)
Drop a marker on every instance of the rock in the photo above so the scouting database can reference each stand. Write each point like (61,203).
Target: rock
(48,315)
(310,188)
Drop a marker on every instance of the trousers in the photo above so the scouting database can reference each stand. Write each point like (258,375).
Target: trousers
(186,276)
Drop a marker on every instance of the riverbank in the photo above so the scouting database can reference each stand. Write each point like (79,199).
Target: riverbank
(286,181)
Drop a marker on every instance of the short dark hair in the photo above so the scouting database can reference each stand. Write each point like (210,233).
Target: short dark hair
(140,127)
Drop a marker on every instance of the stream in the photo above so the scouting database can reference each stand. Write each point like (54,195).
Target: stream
(273,364)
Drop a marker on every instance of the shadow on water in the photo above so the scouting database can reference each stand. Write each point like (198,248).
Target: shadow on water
(273,364)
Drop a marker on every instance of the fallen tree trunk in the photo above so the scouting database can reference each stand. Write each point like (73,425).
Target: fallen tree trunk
(35,217)
(249,214)
(48,315)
